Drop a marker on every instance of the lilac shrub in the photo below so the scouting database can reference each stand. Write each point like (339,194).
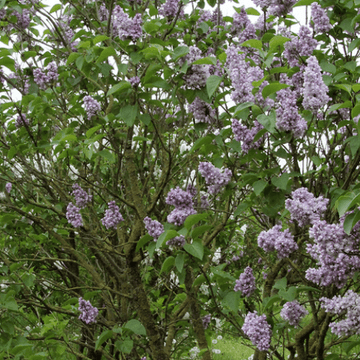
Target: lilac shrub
(21,121)
(170,8)
(8,187)
(42,79)
(124,27)
(246,282)
(153,227)
(246,136)
(88,312)
(112,216)
(348,305)
(275,239)
(258,330)
(304,207)
(293,312)
(206,321)
(73,215)
(315,90)
(214,178)
(177,241)
(134,81)
(202,111)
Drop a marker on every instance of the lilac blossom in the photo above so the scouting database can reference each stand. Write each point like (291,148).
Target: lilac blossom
(92,106)
(202,111)
(214,177)
(315,90)
(304,207)
(196,75)
(68,33)
(348,305)
(246,136)
(320,19)
(124,27)
(88,312)
(287,113)
(275,239)
(23,19)
(258,330)
(21,120)
(206,321)
(177,241)
(134,81)
(330,247)
(170,9)
(73,215)
(182,200)
(82,198)
(112,216)
(281,7)
(293,312)
(302,45)
(153,227)
(246,282)
(103,13)
(8,187)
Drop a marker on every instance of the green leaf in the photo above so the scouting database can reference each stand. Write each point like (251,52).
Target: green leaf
(109,51)
(92,130)
(11,304)
(281,182)
(343,203)
(99,38)
(252,11)
(105,335)
(356,87)
(268,302)
(179,261)
(304,3)
(272,88)
(195,249)
(179,52)
(267,121)
(242,106)
(281,284)
(8,62)
(346,104)
(121,86)
(128,114)
(242,207)
(55,8)
(210,60)
(124,346)
(277,40)
(345,87)
(232,300)
(167,264)
(194,219)
(259,186)
(199,280)
(202,141)
(351,345)
(136,327)
(143,241)
(212,83)
(307,288)
(328,67)
(200,230)
(254,43)
(346,24)
(106,154)
(145,119)
(165,236)
(354,44)
(289,295)
(72,57)
(356,110)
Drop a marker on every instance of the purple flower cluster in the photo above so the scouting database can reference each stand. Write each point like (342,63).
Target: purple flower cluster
(246,282)
(246,136)
(320,19)
(134,81)
(348,305)
(331,244)
(42,79)
(92,106)
(275,239)
(182,200)
(23,19)
(68,33)
(242,27)
(88,312)
(214,177)
(153,227)
(287,114)
(206,321)
(202,111)
(302,45)
(73,215)
(293,312)
(8,187)
(281,7)
(258,330)
(177,241)
(124,27)
(304,207)
(315,90)
(112,216)
(196,75)
(21,120)
(170,9)
(81,196)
